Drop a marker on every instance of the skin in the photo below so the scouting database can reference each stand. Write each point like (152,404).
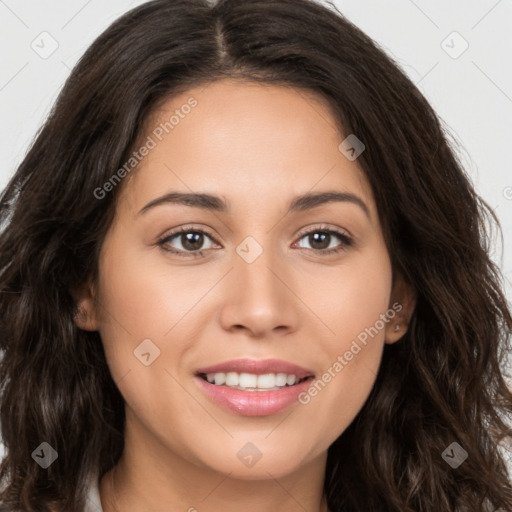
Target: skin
(257,146)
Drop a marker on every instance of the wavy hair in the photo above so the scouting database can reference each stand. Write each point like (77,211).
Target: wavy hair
(444,382)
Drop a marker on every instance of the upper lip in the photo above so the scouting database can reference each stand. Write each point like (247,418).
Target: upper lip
(257,367)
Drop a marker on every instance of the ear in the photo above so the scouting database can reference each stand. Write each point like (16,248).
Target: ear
(402,302)
(86,316)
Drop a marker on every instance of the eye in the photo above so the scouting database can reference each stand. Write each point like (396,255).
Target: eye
(190,240)
(321,239)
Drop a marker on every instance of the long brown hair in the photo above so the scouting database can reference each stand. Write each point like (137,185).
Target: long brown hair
(443,383)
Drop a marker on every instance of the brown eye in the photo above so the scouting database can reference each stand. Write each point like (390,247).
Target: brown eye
(321,240)
(189,242)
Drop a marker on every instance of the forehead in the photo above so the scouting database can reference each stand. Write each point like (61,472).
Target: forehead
(237,139)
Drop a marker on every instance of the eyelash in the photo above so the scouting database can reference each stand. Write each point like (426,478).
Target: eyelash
(346,241)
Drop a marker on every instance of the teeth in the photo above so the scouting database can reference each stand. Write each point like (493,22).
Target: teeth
(248,380)
(219,378)
(252,382)
(232,379)
(266,381)
(290,380)
(281,379)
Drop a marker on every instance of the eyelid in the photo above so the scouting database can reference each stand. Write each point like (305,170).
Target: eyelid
(324,227)
(186,228)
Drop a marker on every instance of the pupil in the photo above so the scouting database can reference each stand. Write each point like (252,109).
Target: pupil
(315,237)
(189,242)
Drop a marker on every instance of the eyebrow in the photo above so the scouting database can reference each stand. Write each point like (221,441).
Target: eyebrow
(215,203)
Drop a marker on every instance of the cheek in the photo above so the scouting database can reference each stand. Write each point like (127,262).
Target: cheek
(140,299)
(363,303)
(140,302)
(356,299)
(349,298)
(143,300)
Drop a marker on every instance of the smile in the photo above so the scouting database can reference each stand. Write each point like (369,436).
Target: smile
(252,381)
(254,387)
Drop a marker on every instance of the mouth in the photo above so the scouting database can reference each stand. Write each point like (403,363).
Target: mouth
(254,387)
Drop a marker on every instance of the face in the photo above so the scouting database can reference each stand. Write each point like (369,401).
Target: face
(260,289)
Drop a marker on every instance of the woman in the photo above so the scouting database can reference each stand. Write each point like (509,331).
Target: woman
(242,267)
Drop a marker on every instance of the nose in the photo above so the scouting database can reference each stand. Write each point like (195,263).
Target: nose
(258,297)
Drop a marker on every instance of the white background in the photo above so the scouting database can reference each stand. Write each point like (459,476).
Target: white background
(471,93)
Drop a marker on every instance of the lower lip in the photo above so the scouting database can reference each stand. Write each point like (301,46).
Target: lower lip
(254,403)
